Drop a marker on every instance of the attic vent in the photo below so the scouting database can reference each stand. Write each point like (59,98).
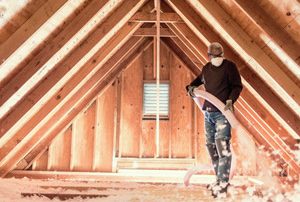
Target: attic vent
(150,100)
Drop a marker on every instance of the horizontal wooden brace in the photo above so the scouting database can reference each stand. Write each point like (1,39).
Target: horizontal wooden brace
(151,32)
(151,17)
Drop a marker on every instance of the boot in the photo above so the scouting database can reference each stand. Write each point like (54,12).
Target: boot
(220,191)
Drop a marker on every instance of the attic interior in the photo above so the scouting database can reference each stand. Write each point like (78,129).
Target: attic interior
(79,94)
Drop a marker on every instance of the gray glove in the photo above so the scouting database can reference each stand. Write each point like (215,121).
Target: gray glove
(190,90)
(229,105)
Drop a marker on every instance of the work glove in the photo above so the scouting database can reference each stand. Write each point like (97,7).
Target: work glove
(190,90)
(229,105)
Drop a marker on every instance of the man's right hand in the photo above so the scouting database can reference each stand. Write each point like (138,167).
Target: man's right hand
(190,90)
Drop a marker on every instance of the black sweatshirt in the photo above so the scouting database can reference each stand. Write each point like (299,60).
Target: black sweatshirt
(223,81)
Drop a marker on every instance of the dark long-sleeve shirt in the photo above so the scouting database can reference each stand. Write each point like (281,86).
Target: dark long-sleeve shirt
(223,81)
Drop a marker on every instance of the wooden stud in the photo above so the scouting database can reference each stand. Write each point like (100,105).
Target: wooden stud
(104,136)
(83,137)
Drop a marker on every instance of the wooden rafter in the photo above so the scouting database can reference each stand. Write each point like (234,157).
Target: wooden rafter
(184,54)
(28,39)
(10,24)
(32,105)
(259,61)
(15,40)
(30,74)
(78,101)
(186,36)
(272,29)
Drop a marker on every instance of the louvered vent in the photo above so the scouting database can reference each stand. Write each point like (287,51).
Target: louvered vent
(150,99)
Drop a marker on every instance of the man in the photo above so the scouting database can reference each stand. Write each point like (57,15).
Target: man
(222,79)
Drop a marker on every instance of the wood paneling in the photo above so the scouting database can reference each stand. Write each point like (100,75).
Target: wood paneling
(104,136)
(181,110)
(131,115)
(83,140)
(60,151)
(147,147)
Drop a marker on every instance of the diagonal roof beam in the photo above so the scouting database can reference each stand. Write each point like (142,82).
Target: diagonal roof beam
(276,37)
(278,109)
(184,54)
(261,63)
(75,104)
(70,37)
(15,15)
(185,35)
(32,34)
(28,108)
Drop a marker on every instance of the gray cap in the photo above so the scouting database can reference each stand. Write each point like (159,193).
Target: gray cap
(215,49)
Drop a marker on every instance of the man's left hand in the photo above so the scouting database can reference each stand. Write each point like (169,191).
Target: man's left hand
(229,105)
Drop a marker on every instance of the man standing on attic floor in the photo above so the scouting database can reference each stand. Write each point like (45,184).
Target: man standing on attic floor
(221,78)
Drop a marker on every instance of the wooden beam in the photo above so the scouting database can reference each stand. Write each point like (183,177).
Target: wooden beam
(259,61)
(153,176)
(157,77)
(28,41)
(183,54)
(24,32)
(155,163)
(151,17)
(271,139)
(276,107)
(151,32)
(30,74)
(21,13)
(13,126)
(190,40)
(104,130)
(74,105)
(268,26)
